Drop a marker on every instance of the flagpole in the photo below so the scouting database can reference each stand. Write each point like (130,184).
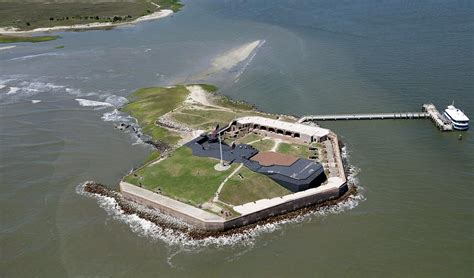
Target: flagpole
(220,148)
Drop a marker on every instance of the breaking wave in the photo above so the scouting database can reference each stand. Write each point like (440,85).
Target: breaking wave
(19,91)
(247,238)
(13,90)
(28,57)
(93,103)
(24,89)
(134,131)
(116,101)
(116,116)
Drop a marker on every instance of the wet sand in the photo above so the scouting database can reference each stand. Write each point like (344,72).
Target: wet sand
(95,25)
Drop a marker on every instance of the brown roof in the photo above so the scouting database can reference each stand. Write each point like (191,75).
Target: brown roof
(273,158)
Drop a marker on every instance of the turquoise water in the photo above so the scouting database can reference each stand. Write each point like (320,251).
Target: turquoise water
(412,217)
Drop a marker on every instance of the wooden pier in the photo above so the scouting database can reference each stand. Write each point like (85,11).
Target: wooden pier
(429,112)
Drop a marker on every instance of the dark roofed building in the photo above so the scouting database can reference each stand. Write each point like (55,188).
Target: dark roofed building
(293,173)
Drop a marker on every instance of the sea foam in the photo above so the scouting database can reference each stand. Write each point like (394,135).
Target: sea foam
(28,57)
(247,237)
(92,103)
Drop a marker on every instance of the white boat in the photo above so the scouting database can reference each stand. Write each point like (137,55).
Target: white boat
(457,117)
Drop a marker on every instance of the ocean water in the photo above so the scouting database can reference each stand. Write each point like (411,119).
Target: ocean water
(413,215)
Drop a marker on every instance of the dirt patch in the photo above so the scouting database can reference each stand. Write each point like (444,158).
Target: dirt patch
(274,158)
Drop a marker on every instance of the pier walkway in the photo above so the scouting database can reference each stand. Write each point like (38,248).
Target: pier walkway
(438,119)
(375,116)
(429,112)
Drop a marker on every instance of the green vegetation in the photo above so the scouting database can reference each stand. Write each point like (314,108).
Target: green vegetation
(249,188)
(208,88)
(251,137)
(182,176)
(152,156)
(295,149)
(208,117)
(31,14)
(192,179)
(59,47)
(233,104)
(34,39)
(204,118)
(264,145)
(147,104)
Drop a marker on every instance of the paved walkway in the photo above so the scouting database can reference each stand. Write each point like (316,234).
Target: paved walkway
(275,146)
(216,196)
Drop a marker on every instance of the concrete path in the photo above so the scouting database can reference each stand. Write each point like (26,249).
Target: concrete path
(216,196)
(275,146)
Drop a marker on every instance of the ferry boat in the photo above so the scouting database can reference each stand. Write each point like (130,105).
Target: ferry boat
(458,119)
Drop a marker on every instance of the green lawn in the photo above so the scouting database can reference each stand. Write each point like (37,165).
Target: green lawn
(295,149)
(147,104)
(204,119)
(250,188)
(249,138)
(152,156)
(232,104)
(185,177)
(265,145)
(182,176)
(31,14)
(34,39)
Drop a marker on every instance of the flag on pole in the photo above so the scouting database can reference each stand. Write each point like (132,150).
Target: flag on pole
(214,132)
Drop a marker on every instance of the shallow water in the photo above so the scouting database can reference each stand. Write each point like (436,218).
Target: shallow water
(414,214)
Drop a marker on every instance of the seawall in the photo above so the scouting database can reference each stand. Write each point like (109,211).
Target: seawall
(207,221)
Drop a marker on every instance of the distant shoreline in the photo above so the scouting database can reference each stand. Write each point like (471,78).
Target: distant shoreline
(94,25)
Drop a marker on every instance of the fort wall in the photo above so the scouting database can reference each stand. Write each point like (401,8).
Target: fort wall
(210,222)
